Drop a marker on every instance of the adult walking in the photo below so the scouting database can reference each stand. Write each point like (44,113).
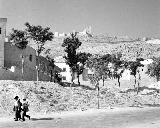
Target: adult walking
(17,108)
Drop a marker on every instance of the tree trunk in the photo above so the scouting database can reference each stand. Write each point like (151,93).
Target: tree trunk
(78,79)
(103,80)
(139,79)
(22,67)
(71,80)
(98,96)
(157,77)
(37,73)
(51,76)
(38,66)
(138,88)
(135,81)
(119,84)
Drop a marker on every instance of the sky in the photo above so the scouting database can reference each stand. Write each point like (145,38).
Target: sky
(133,18)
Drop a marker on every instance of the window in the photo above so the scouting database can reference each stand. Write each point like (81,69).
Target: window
(64,69)
(30,58)
(64,78)
(0,30)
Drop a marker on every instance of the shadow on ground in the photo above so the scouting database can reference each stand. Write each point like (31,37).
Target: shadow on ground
(152,105)
(66,84)
(141,89)
(35,119)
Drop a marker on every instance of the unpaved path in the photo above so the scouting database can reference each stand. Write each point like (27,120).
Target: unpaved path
(109,118)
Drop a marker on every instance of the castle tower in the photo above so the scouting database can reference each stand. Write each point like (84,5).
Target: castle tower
(3,22)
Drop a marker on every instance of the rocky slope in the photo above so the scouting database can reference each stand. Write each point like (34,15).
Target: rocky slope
(102,44)
(46,97)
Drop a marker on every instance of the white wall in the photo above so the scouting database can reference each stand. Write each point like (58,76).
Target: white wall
(67,73)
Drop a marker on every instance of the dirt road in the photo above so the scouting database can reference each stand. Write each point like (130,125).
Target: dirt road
(113,118)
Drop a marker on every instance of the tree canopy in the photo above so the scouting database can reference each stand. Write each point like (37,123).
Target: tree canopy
(40,35)
(19,37)
(154,68)
(71,44)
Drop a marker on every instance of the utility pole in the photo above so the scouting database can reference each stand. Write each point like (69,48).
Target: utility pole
(22,67)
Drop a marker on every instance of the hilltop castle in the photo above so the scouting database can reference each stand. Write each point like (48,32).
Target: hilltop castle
(86,32)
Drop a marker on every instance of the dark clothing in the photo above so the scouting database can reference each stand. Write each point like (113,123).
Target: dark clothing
(24,115)
(17,115)
(17,109)
(25,110)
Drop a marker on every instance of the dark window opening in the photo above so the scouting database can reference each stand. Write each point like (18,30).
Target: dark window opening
(64,78)
(0,30)
(30,58)
(64,69)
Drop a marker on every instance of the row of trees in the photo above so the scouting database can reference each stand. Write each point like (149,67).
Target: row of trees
(109,66)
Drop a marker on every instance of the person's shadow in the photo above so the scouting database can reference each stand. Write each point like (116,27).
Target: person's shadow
(35,119)
(48,118)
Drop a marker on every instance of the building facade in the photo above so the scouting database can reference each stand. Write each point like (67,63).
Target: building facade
(21,64)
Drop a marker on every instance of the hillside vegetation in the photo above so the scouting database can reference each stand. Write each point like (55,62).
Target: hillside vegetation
(46,97)
(102,44)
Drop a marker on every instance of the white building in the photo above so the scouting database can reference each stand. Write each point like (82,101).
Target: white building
(56,34)
(66,72)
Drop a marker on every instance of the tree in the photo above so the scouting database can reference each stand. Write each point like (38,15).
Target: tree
(52,65)
(82,59)
(118,67)
(71,44)
(19,38)
(133,66)
(99,65)
(154,68)
(40,36)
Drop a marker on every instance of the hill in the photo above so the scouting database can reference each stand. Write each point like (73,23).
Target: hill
(102,44)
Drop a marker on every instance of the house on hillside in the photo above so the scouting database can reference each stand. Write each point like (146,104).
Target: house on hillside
(20,64)
(65,69)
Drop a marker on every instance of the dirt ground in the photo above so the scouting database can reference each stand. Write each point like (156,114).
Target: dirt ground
(147,117)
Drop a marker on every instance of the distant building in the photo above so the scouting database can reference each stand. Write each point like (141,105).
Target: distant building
(66,72)
(56,34)
(153,41)
(62,34)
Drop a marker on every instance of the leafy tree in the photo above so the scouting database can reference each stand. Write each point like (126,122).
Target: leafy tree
(154,68)
(40,36)
(99,65)
(52,65)
(19,37)
(71,44)
(118,67)
(133,66)
(82,59)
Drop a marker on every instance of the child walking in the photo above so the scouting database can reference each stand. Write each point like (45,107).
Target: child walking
(25,109)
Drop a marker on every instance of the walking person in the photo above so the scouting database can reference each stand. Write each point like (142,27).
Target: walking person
(17,108)
(25,109)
